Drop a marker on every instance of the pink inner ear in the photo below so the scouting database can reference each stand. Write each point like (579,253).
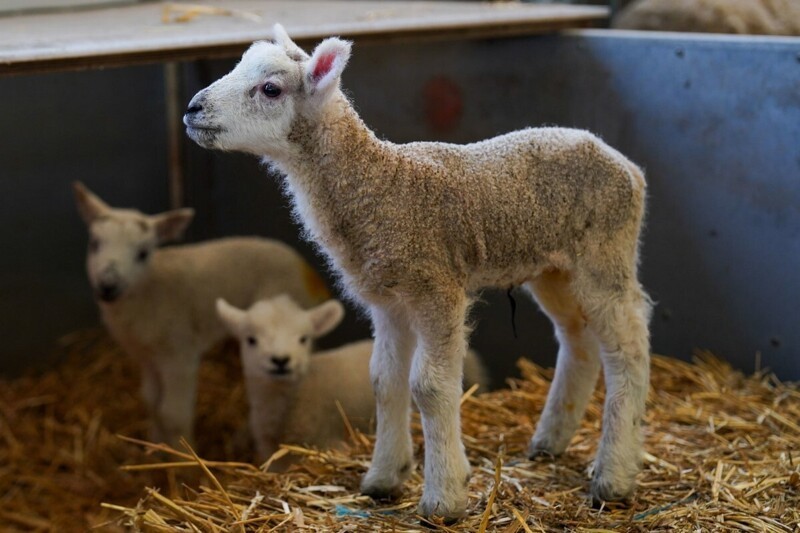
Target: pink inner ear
(323,66)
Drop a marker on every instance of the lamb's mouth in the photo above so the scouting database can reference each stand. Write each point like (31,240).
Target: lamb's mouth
(203,135)
(283,372)
(201,127)
(195,127)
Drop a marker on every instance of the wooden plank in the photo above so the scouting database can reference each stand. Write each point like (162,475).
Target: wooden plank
(141,34)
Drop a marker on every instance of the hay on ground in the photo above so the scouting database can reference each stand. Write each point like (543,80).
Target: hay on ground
(722,455)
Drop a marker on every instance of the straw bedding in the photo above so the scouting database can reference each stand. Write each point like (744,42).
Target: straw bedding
(723,454)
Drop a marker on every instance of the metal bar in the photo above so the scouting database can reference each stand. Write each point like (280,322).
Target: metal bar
(173,106)
(140,33)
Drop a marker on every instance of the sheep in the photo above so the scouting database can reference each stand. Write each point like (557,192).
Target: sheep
(158,303)
(415,230)
(292,393)
(766,17)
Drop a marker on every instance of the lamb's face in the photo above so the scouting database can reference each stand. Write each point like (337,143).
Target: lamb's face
(252,108)
(118,256)
(276,335)
(122,241)
(278,340)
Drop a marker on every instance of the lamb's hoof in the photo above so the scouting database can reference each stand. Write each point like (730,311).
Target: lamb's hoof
(540,453)
(604,492)
(435,512)
(541,448)
(382,487)
(434,522)
(381,493)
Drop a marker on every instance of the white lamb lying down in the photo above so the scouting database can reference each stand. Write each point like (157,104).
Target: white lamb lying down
(293,393)
(158,304)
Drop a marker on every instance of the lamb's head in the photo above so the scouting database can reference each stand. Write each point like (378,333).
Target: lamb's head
(121,242)
(276,335)
(254,107)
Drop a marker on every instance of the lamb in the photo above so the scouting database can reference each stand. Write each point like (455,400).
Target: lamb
(292,393)
(158,303)
(764,17)
(414,230)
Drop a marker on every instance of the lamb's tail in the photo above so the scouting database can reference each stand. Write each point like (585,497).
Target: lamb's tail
(639,189)
(638,176)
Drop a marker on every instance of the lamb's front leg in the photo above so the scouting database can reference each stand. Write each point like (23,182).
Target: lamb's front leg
(151,392)
(174,413)
(436,387)
(392,459)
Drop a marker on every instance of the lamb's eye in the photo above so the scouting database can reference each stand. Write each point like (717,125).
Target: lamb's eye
(94,244)
(304,339)
(251,341)
(271,90)
(142,255)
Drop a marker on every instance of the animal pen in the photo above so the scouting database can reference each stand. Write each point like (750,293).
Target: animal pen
(97,95)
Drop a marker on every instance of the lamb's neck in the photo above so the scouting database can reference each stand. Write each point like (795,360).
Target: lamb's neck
(338,151)
(339,172)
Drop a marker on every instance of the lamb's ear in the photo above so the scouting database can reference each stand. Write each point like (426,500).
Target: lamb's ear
(326,316)
(89,205)
(171,225)
(234,319)
(325,67)
(282,39)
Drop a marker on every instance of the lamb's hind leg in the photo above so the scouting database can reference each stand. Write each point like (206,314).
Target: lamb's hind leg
(619,315)
(392,459)
(576,369)
(436,387)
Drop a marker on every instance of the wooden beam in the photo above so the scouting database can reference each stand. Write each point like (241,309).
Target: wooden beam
(148,32)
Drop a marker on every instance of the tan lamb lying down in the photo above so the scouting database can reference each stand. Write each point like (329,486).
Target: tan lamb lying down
(158,303)
(292,392)
(755,17)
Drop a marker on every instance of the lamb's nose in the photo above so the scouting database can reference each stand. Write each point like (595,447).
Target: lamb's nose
(280,362)
(193,108)
(108,292)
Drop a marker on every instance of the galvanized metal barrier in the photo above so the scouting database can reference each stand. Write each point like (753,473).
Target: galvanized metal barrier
(715,122)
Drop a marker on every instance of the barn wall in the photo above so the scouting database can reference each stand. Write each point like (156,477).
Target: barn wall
(714,121)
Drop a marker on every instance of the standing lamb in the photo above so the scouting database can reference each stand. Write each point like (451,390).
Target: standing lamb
(292,393)
(158,304)
(414,229)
